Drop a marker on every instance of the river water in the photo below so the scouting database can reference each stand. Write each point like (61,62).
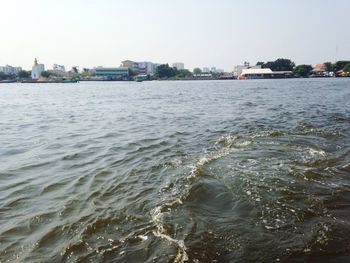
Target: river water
(219,171)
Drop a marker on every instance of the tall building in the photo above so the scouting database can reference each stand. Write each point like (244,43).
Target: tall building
(37,69)
(9,70)
(179,65)
(143,68)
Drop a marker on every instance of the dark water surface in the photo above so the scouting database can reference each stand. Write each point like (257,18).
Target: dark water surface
(233,171)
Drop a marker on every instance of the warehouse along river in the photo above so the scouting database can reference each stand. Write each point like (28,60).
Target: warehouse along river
(217,171)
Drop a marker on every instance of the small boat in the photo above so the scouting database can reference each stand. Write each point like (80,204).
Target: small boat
(70,80)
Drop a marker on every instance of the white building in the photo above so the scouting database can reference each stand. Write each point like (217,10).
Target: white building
(37,69)
(9,70)
(264,73)
(145,68)
(237,71)
(179,65)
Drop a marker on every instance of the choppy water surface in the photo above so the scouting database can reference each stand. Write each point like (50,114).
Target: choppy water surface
(233,171)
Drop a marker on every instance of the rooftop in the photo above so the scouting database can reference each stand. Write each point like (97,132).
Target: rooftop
(256,71)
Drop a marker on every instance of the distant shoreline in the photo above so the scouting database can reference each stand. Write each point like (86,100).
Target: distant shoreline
(161,80)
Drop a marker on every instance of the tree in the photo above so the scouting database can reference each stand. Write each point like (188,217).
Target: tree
(329,66)
(24,74)
(133,72)
(259,63)
(3,76)
(347,69)
(303,70)
(339,65)
(269,65)
(281,64)
(197,71)
(45,74)
(164,71)
(75,69)
(183,73)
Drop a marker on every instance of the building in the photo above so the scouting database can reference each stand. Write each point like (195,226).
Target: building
(261,73)
(129,64)
(320,70)
(206,70)
(179,65)
(143,68)
(9,70)
(264,73)
(237,71)
(37,69)
(121,73)
(226,75)
(203,76)
(59,68)
(216,70)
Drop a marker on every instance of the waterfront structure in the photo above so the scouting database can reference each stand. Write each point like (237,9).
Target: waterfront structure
(226,75)
(251,73)
(320,70)
(9,70)
(121,73)
(203,76)
(264,73)
(178,65)
(237,71)
(37,69)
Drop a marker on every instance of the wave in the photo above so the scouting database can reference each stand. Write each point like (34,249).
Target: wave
(279,145)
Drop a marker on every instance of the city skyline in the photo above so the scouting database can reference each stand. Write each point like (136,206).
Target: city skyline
(197,33)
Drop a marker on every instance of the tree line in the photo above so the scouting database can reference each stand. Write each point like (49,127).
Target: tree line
(23,74)
(166,72)
(304,70)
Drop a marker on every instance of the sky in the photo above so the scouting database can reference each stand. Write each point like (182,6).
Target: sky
(199,33)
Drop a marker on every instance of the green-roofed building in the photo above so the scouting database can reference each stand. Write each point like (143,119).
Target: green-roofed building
(121,73)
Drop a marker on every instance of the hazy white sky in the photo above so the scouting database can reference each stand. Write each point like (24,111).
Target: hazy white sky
(219,33)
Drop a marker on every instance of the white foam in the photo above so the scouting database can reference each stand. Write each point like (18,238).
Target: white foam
(157,218)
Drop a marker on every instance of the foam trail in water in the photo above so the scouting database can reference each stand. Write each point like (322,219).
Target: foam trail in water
(157,218)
